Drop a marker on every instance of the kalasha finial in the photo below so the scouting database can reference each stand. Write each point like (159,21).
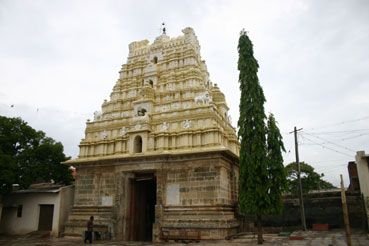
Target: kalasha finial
(163,28)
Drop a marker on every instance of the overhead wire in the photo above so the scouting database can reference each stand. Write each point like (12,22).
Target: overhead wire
(345,135)
(327,141)
(323,146)
(341,123)
(340,132)
(336,160)
(360,135)
(37,110)
(330,166)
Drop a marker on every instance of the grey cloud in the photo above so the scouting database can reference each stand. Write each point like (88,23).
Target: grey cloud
(64,57)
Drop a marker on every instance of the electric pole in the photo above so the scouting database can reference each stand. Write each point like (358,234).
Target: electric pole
(345,213)
(301,200)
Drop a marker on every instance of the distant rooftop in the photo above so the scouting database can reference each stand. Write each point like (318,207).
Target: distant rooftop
(41,188)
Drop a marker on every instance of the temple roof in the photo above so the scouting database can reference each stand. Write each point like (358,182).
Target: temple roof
(163,101)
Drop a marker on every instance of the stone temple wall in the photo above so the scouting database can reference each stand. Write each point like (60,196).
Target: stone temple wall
(320,208)
(94,185)
(194,191)
(200,184)
(206,198)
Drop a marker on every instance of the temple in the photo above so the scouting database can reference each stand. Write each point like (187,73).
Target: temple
(160,160)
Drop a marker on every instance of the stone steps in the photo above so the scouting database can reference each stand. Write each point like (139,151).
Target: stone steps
(199,223)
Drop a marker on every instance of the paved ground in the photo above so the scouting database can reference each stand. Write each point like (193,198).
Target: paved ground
(334,238)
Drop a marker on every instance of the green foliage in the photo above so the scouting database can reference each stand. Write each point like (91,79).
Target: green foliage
(254,175)
(28,156)
(8,175)
(277,173)
(262,174)
(310,180)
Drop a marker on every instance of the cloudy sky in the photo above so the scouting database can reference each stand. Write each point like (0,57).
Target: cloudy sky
(60,59)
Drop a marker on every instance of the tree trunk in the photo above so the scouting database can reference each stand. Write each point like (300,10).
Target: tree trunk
(259,228)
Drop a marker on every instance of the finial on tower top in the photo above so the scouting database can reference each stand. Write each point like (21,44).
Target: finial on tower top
(244,32)
(163,28)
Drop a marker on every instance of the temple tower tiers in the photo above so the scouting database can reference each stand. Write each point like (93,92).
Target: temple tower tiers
(163,138)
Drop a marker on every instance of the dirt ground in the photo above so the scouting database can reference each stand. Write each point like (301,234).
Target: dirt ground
(312,238)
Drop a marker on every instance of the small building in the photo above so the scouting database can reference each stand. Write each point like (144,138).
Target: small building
(42,207)
(353,176)
(362,162)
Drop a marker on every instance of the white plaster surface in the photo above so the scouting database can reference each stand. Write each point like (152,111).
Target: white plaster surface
(107,201)
(172,194)
(28,222)
(363,172)
(11,224)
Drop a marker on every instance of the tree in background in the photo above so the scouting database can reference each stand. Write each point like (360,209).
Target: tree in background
(27,156)
(310,180)
(254,173)
(277,172)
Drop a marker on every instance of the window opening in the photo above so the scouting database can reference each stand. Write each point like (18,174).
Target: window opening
(19,210)
(138,144)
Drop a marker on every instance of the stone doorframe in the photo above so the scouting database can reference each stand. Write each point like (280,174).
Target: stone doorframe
(122,208)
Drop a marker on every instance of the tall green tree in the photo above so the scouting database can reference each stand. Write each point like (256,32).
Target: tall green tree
(27,156)
(310,180)
(277,172)
(254,173)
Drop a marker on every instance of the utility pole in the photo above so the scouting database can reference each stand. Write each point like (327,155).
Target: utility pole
(301,200)
(345,213)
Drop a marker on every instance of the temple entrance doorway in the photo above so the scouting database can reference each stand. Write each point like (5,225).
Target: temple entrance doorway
(142,207)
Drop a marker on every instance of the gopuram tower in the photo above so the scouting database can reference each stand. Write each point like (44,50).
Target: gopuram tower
(160,160)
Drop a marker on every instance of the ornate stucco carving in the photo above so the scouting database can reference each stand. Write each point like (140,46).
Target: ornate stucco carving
(203,98)
(164,91)
(97,115)
(123,131)
(165,126)
(186,124)
(104,135)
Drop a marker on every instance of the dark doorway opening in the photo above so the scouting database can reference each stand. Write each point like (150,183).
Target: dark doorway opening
(45,222)
(142,207)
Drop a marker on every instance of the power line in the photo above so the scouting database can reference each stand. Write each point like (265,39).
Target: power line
(341,123)
(307,144)
(338,145)
(38,110)
(339,132)
(336,160)
(331,169)
(325,147)
(330,166)
(344,139)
